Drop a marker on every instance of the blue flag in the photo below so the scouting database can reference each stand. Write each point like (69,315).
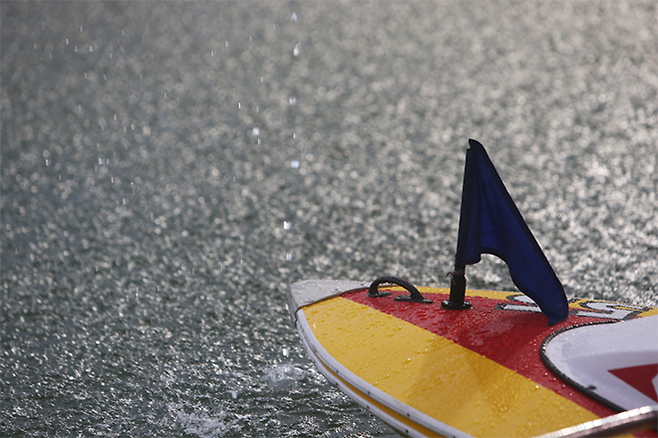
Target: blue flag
(490,223)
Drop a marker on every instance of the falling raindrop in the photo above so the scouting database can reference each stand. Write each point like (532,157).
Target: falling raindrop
(288,256)
(294,164)
(294,135)
(287,225)
(212,52)
(48,162)
(255,131)
(292,100)
(239,105)
(293,17)
(295,51)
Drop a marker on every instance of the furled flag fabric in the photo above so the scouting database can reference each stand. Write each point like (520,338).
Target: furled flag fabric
(491,223)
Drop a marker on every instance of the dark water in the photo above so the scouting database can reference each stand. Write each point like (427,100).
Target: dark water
(168,169)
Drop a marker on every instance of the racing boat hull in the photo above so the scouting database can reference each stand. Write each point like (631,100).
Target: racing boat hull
(429,371)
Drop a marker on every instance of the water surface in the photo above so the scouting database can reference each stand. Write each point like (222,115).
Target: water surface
(169,168)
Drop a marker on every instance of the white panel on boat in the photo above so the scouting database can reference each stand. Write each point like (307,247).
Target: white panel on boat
(617,362)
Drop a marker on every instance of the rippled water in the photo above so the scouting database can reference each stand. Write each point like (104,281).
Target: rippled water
(168,169)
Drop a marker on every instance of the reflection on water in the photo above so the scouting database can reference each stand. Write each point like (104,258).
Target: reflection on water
(168,169)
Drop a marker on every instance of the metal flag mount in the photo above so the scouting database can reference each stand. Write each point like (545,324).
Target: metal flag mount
(490,223)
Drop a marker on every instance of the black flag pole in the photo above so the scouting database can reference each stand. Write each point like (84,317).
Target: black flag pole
(457,291)
(458,276)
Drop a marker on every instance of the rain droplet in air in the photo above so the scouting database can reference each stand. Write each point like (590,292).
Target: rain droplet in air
(292,100)
(255,131)
(287,225)
(295,51)
(293,17)
(294,164)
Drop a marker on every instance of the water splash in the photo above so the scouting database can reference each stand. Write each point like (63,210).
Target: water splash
(282,375)
(203,423)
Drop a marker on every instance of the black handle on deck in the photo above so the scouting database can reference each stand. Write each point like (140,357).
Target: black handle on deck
(415,297)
